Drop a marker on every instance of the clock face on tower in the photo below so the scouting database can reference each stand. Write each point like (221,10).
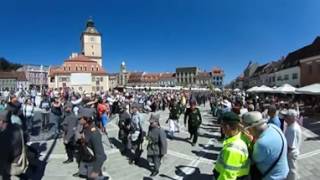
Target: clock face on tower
(92,39)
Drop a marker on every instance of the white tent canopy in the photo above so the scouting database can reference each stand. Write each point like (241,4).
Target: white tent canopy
(263,89)
(252,89)
(313,89)
(236,90)
(217,90)
(285,89)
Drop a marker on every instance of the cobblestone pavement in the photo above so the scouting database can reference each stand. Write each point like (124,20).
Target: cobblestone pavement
(182,161)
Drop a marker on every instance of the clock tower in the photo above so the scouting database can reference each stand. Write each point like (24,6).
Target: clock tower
(91,42)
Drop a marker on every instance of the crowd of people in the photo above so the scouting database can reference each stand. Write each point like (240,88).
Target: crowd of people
(261,135)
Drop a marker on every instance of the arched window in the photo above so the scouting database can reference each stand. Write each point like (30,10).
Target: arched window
(76,68)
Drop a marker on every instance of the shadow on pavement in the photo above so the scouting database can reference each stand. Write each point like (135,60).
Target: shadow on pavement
(312,124)
(207,155)
(210,147)
(36,173)
(206,135)
(177,138)
(196,174)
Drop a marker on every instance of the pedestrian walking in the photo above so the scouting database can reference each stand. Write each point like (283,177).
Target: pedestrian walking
(194,119)
(69,125)
(92,155)
(135,137)
(123,124)
(294,138)
(174,116)
(157,144)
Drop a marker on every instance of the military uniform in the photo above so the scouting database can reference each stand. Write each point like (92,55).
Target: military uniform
(124,121)
(194,121)
(92,139)
(69,126)
(174,118)
(157,145)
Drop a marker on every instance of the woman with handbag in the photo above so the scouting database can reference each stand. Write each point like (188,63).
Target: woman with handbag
(13,158)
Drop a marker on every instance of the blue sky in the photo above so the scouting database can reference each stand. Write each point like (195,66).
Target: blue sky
(159,35)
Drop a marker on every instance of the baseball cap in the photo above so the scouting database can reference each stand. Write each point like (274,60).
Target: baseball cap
(230,117)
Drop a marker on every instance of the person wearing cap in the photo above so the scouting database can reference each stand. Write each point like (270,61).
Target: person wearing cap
(69,125)
(294,137)
(124,122)
(194,118)
(157,143)
(274,118)
(269,154)
(174,117)
(135,136)
(233,161)
(91,138)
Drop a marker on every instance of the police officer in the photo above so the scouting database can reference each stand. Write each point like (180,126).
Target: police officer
(124,123)
(233,161)
(69,126)
(157,144)
(194,118)
(92,140)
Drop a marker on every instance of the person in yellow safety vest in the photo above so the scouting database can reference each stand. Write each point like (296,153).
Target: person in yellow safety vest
(233,162)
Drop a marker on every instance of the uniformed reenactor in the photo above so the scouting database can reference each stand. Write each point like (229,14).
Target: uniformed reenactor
(174,117)
(69,126)
(124,123)
(194,119)
(233,161)
(157,144)
(93,156)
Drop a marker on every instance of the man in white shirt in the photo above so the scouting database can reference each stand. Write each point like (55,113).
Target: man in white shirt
(294,137)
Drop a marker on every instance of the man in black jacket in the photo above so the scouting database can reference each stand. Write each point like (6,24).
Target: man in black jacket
(69,127)
(124,122)
(157,144)
(92,140)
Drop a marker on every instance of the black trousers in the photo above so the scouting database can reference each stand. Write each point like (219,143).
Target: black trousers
(194,134)
(156,160)
(137,151)
(70,149)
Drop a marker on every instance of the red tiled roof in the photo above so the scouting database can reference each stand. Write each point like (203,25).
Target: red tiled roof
(18,75)
(78,64)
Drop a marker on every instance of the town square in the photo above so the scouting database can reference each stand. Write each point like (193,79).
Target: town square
(160,89)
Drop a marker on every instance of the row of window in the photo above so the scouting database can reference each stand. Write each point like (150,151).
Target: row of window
(217,78)
(7,81)
(286,77)
(36,75)
(80,68)
(95,79)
